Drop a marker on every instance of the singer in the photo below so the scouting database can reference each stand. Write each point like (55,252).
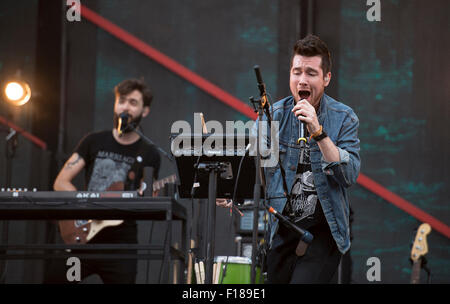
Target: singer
(319,170)
(114,160)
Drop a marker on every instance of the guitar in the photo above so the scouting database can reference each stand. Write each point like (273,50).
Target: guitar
(418,251)
(82,231)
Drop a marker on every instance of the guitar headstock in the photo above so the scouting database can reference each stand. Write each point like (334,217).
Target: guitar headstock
(420,246)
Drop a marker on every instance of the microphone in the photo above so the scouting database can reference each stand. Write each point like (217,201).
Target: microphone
(301,131)
(261,87)
(259,77)
(123,123)
(305,236)
(301,140)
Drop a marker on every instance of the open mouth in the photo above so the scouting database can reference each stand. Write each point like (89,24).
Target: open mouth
(304,94)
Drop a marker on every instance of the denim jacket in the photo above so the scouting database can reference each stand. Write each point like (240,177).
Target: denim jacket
(331,179)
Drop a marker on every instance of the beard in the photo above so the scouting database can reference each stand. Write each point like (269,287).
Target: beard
(132,124)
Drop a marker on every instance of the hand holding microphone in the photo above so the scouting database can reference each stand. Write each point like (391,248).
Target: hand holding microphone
(306,113)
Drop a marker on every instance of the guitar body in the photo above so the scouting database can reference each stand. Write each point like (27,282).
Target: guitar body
(82,231)
(71,234)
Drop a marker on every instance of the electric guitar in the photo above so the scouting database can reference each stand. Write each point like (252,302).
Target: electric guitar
(418,251)
(82,231)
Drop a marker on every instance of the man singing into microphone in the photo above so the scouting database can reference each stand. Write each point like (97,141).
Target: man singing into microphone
(113,160)
(315,194)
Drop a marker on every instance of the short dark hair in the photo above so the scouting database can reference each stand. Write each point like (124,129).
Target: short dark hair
(129,85)
(311,46)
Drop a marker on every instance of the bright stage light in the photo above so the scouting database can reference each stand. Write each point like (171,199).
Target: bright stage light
(17,93)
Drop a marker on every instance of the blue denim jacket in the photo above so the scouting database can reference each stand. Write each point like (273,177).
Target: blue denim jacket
(331,179)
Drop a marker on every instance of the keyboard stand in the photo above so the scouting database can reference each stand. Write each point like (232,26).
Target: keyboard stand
(141,208)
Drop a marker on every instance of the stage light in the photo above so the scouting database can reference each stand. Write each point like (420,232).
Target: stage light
(17,93)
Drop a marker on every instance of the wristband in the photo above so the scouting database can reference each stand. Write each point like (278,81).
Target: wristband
(320,136)
(316,133)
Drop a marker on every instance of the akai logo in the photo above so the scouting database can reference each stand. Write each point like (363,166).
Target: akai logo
(88,195)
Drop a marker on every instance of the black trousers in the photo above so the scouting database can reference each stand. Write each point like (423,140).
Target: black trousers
(317,266)
(111,271)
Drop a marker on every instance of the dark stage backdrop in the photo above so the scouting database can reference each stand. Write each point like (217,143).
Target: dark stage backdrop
(392,73)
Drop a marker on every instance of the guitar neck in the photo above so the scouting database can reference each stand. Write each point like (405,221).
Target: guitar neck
(415,274)
(162,182)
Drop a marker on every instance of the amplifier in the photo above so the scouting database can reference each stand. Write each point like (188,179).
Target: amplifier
(244,224)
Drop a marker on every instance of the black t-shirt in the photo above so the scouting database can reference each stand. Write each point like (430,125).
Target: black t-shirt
(111,166)
(304,207)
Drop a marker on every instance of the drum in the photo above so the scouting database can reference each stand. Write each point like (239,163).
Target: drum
(237,270)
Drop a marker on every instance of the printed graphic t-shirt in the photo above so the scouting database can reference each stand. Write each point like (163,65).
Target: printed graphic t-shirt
(304,207)
(111,166)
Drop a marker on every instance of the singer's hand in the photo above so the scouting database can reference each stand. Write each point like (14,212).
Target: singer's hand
(223,202)
(306,113)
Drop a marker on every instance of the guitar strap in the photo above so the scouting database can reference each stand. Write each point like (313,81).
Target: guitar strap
(148,180)
(136,171)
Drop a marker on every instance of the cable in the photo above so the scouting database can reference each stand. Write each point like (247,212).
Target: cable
(232,206)
(148,261)
(224,267)
(266,240)
(238,174)
(162,264)
(192,207)
(5,233)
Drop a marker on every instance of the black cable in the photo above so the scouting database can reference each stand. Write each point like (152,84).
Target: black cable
(148,261)
(233,198)
(237,178)
(224,267)
(427,270)
(5,234)
(266,240)
(138,130)
(192,206)
(162,264)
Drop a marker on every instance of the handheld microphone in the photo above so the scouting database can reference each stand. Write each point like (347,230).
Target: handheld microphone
(301,131)
(302,139)
(123,123)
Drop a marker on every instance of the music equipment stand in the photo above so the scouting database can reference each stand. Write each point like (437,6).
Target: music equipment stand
(200,163)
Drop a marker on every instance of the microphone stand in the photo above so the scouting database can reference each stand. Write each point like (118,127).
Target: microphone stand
(260,105)
(169,157)
(149,141)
